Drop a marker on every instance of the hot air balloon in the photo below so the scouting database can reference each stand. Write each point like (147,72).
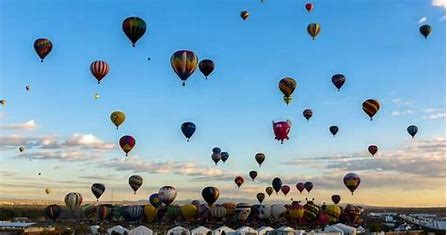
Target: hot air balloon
(338,80)
(89,211)
(117,118)
(307,113)
(3,102)
(96,96)
(245,15)
(412,130)
(253,174)
(216,157)
(127,143)
(313,29)
(47,190)
(281,130)
(167,194)
(242,211)
(310,211)
(229,206)
(352,215)
(98,189)
(372,149)
(53,211)
(287,86)
(150,212)
(265,212)
(132,213)
(134,28)
(206,67)
(224,156)
(188,211)
(21,149)
(278,212)
(260,157)
(216,150)
(333,130)
(269,190)
(154,200)
(309,6)
(300,186)
(99,69)
(333,211)
(188,129)
(277,183)
(336,198)
(104,212)
(308,186)
(425,30)
(135,182)
(239,180)
(210,194)
(260,197)
(351,181)
(285,189)
(184,63)
(218,212)
(43,47)
(27,87)
(370,107)
(73,200)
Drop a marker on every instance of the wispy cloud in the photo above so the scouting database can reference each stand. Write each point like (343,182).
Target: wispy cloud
(422,20)
(402,113)
(433,113)
(29,125)
(439,3)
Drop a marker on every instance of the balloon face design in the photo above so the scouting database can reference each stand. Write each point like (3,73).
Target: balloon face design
(134,28)
(265,211)
(281,130)
(242,211)
(43,47)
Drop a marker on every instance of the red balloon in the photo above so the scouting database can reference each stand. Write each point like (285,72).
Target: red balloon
(309,6)
(127,143)
(282,129)
(99,69)
(239,180)
(285,189)
(300,186)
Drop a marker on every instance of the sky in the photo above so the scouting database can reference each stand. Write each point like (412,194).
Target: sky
(69,139)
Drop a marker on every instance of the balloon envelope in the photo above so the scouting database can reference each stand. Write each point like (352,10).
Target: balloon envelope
(239,180)
(351,181)
(412,130)
(206,67)
(287,86)
(370,107)
(43,47)
(336,198)
(253,174)
(98,189)
(135,182)
(134,28)
(313,29)
(333,130)
(127,143)
(167,194)
(184,63)
(188,129)
(210,194)
(117,118)
(277,183)
(425,30)
(281,130)
(338,80)
(308,186)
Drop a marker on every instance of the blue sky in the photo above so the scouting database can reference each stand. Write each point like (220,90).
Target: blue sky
(376,45)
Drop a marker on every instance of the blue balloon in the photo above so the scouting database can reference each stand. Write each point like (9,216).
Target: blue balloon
(132,213)
(154,200)
(412,130)
(224,156)
(216,150)
(188,129)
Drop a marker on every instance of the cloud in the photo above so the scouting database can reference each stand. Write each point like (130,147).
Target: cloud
(439,3)
(402,113)
(138,165)
(29,125)
(422,20)
(434,113)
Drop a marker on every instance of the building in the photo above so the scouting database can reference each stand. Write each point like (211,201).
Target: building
(11,228)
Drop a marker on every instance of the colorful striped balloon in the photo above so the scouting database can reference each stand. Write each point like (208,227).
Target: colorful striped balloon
(73,200)
(127,143)
(135,182)
(134,28)
(99,69)
(370,107)
(53,211)
(184,63)
(313,29)
(43,47)
(287,86)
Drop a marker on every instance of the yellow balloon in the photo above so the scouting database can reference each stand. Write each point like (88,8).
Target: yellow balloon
(150,212)
(47,190)
(189,211)
(117,118)
(333,211)
(296,213)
